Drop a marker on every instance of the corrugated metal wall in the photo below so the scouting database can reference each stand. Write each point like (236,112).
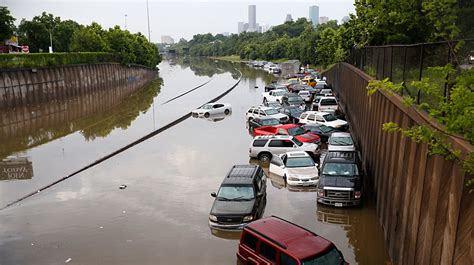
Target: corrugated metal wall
(423,205)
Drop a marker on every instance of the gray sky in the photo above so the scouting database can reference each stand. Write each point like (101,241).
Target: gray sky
(175,18)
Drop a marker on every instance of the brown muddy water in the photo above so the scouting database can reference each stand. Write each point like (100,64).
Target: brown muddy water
(161,217)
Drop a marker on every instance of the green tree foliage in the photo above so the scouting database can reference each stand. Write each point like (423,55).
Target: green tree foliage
(69,36)
(6,24)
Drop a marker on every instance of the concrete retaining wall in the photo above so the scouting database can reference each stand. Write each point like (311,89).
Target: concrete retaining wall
(423,205)
(22,87)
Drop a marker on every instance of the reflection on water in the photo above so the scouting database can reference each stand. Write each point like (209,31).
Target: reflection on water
(94,115)
(16,168)
(231,235)
(215,117)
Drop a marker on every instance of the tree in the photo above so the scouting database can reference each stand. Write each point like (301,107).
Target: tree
(7,27)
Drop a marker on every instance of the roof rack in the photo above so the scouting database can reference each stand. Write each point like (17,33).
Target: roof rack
(267,237)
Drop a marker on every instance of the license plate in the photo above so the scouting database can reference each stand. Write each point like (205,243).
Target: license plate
(338,204)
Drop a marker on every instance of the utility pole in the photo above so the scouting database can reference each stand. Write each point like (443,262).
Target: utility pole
(148,17)
(126,21)
(51,40)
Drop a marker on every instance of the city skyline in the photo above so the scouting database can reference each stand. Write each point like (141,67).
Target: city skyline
(174,18)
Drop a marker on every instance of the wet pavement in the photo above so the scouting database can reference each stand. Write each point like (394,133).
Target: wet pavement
(161,216)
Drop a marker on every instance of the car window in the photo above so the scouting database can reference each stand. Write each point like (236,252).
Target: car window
(339,169)
(276,143)
(331,257)
(250,241)
(250,111)
(319,118)
(259,143)
(288,143)
(270,122)
(235,192)
(341,141)
(268,251)
(311,117)
(328,102)
(218,106)
(304,115)
(262,113)
(329,117)
(287,260)
(300,162)
(281,132)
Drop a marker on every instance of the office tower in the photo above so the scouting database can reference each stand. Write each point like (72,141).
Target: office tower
(314,15)
(240,27)
(323,20)
(165,39)
(252,18)
(288,18)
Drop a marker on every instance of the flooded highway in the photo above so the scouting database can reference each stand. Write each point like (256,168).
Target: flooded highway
(160,215)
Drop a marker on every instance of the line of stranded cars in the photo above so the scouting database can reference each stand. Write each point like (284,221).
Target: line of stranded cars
(289,129)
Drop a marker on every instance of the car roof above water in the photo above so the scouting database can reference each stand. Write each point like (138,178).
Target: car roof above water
(241,174)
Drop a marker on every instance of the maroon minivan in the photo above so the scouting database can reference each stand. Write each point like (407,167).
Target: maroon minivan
(276,241)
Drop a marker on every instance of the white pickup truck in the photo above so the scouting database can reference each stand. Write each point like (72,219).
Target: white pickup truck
(274,95)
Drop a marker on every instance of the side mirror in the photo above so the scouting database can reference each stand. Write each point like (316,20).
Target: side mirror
(213,194)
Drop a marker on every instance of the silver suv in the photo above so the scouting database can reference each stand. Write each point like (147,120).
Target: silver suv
(265,146)
(262,111)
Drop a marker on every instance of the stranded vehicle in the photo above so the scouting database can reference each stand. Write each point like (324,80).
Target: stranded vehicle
(276,241)
(297,168)
(265,146)
(288,129)
(240,199)
(212,108)
(340,181)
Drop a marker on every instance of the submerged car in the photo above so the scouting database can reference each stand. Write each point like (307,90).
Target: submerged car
(291,99)
(273,240)
(297,168)
(341,141)
(241,198)
(265,121)
(292,112)
(288,129)
(211,109)
(323,131)
(317,117)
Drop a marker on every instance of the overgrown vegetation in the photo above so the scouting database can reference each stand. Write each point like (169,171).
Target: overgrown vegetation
(57,58)
(70,36)
(456,114)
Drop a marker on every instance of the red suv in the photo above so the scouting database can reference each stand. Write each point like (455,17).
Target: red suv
(276,241)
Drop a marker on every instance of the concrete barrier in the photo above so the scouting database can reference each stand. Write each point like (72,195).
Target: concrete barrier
(423,205)
(20,87)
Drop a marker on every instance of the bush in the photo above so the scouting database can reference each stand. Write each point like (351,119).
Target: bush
(11,61)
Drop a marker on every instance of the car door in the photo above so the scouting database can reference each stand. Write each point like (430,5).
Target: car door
(217,108)
(311,118)
(320,120)
(277,166)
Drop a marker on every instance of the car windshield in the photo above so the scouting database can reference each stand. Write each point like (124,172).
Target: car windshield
(296,131)
(271,111)
(325,129)
(329,258)
(299,162)
(329,117)
(280,93)
(206,107)
(230,193)
(347,140)
(328,102)
(270,122)
(295,99)
(336,169)
(297,142)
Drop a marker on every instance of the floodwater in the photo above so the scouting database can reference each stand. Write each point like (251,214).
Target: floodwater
(161,217)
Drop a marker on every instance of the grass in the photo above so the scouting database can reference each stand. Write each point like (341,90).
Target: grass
(229,58)
(52,59)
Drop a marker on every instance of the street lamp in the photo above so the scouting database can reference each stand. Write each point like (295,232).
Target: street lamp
(126,21)
(51,40)
(148,17)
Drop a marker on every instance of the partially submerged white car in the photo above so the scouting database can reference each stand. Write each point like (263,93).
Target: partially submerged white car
(324,118)
(211,109)
(341,141)
(297,167)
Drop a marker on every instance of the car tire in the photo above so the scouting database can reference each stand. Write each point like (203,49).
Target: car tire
(278,100)
(226,112)
(265,157)
(206,114)
(265,101)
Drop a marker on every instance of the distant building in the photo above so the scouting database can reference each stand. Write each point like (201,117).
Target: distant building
(314,15)
(226,34)
(165,39)
(253,18)
(323,20)
(266,28)
(345,19)
(288,18)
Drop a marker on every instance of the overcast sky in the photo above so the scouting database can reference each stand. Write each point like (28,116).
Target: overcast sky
(175,18)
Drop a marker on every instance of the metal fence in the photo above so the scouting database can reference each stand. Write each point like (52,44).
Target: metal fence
(407,63)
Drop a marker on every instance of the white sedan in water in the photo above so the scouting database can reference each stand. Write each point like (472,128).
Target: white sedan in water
(296,167)
(212,109)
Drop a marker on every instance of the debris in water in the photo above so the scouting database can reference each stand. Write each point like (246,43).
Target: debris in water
(101,227)
(122,187)
(124,211)
(68,260)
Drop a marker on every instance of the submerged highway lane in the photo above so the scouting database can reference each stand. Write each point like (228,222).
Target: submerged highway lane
(161,216)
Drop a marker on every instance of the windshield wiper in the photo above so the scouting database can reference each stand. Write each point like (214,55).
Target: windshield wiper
(241,198)
(223,199)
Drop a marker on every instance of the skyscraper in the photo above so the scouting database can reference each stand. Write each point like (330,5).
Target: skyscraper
(323,20)
(288,18)
(252,18)
(314,15)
